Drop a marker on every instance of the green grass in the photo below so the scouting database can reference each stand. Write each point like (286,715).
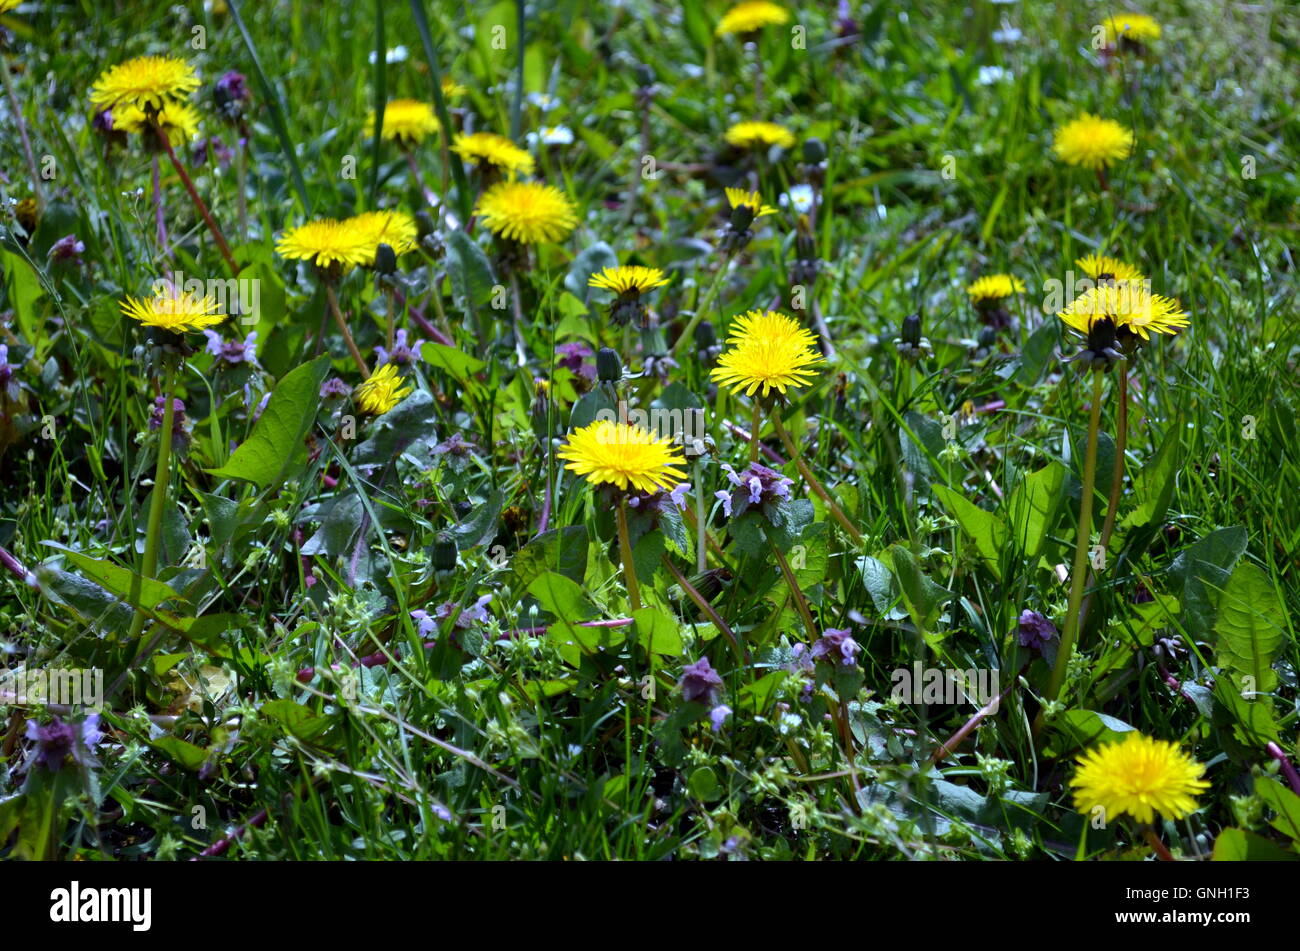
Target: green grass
(526,735)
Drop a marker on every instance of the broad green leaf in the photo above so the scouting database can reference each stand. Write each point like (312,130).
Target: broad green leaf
(1033,507)
(188,755)
(560,596)
(984,528)
(590,260)
(469,271)
(276,443)
(1285,805)
(118,580)
(1238,845)
(1250,624)
(657,633)
(459,366)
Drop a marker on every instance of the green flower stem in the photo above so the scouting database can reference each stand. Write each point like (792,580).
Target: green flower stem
(625,554)
(756,422)
(684,341)
(796,593)
(22,134)
(347,334)
(161,481)
(1065,649)
(1116,480)
(836,512)
(701,529)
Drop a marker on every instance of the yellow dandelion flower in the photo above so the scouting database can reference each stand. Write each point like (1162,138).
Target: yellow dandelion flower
(178,120)
(739,198)
(623,455)
(768,350)
(1137,27)
(146,82)
(527,212)
(452,89)
(406,121)
(488,148)
(993,287)
(175,312)
(1126,304)
(751,15)
(394,228)
(381,391)
(1100,266)
(755,135)
(325,242)
(1139,776)
(1092,142)
(7,5)
(628,279)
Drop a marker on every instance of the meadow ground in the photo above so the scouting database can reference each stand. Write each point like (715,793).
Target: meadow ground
(383,486)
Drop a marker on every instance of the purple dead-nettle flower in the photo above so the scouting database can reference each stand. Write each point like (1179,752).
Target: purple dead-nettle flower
(678,495)
(232,95)
(401,353)
(573,357)
(67,248)
(212,148)
(454,445)
(756,485)
(334,388)
(232,351)
(801,659)
(425,623)
(718,714)
(1035,630)
(178,416)
(701,683)
(6,368)
(261,405)
(836,643)
(57,740)
(476,613)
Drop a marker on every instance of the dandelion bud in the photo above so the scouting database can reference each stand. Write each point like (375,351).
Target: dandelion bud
(609,368)
(385,259)
(444,552)
(705,335)
(814,151)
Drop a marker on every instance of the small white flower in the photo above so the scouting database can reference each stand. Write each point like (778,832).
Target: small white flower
(1008,34)
(992,74)
(800,196)
(397,54)
(542,101)
(551,135)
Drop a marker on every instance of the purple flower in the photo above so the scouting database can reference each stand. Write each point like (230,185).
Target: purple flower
(401,352)
(178,416)
(261,405)
(700,682)
(67,248)
(455,445)
(232,95)
(232,351)
(718,714)
(757,486)
(212,148)
(1035,630)
(477,613)
(678,495)
(58,740)
(334,388)
(6,368)
(836,642)
(573,357)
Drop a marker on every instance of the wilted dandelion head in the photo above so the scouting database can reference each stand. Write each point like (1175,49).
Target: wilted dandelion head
(739,198)
(995,287)
(629,280)
(527,212)
(146,82)
(1136,27)
(326,242)
(177,312)
(406,121)
(1092,142)
(1101,267)
(381,391)
(767,351)
(393,227)
(751,15)
(488,148)
(755,135)
(179,121)
(623,455)
(1125,305)
(1138,776)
